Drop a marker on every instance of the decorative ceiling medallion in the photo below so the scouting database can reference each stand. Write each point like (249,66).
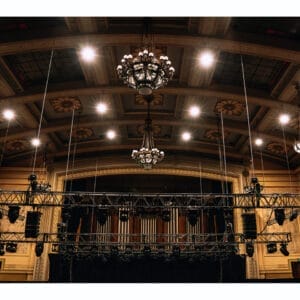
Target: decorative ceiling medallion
(156,129)
(275,148)
(65,104)
(157,99)
(229,107)
(17,145)
(83,133)
(213,134)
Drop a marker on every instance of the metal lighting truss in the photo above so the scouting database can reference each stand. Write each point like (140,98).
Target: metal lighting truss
(135,200)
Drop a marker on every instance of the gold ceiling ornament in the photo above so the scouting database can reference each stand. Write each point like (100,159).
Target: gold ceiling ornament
(83,133)
(156,130)
(275,148)
(294,122)
(229,107)
(214,134)
(65,104)
(17,145)
(157,100)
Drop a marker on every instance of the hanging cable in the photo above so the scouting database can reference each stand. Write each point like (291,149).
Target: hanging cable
(224,154)
(94,190)
(201,192)
(4,142)
(262,167)
(74,152)
(220,152)
(69,149)
(248,118)
(287,158)
(42,111)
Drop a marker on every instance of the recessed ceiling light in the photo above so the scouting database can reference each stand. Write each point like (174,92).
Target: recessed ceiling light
(186,136)
(101,108)
(206,59)
(258,142)
(8,114)
(35,142)
(284,119)
(88,53)
(194,111)
(111,134)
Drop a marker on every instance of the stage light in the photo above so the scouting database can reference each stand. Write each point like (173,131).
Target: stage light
(39,248)
(293,216)
(186,136)
(101,215)
(284,250)
(11,247)
(206,59)
(192,217)
(35,142)
(32,225)
(88,53)
(123,215)
(194,111)
(249,249)
(101,108)
(8,114)
(166,215)
(176,251)
(13,213)
(2,251)
(258,142)
(111,134)
(279,215)
(114,251)
(147,250)
(284,119)
(271,247)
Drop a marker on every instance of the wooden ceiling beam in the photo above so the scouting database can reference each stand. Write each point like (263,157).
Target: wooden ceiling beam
(74,41)
(91,121)
(179,91)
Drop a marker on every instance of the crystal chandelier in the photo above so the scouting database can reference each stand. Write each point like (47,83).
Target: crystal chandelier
(145,72)
(148,155)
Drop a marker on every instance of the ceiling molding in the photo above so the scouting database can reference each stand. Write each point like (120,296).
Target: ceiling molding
(74,41)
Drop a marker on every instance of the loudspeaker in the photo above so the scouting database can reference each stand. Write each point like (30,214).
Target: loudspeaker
(249,225)
(32,225)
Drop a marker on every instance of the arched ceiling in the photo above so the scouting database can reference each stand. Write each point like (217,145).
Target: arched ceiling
(269,47)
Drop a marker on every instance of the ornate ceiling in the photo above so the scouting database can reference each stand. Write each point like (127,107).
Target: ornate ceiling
(269,47)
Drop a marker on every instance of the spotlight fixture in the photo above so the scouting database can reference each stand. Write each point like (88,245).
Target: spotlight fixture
(39,248)
(147,250)
(165,215)
(11,247)
(8,114)
(110,134)
(145,72)
(284,119)
(186,136)
(88,53)
(35,142)
(206,59)
(123,215)
(2,251)
(13,213)
(249,249)
(279,215)
(293,216)
(194,111)
(271,247)
(284,250)
(114,251)
(101,108)
(101,215)
(176,251)
(258,142)
(192,217)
